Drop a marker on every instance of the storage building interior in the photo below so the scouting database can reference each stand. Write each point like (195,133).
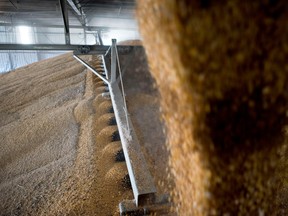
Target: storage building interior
(143,107)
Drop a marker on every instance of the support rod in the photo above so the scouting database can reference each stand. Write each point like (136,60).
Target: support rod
(76,6)
(100,37)
(107,51)
(113,61)
(66,20)
(92,69)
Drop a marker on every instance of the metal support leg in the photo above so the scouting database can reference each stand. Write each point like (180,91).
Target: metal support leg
(100,37)
(113,61)
(65,19)
(85,35)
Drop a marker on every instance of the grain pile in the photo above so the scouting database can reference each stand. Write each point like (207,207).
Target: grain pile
(222,73)
(38,135)
(57,154)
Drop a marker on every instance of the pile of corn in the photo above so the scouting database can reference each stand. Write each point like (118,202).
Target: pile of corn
(222,71)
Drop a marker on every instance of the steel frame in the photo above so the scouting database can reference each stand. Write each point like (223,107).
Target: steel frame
(92,69)
(76,6)
(141,179)
(79,49)
(143,186)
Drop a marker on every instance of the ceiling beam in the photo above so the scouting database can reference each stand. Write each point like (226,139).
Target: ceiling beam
(76,6)
(13,4)
(63,47)
(109,4)
(88,28)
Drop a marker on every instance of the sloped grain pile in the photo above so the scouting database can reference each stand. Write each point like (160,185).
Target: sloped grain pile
(222,71)
(52,155)
(38,132)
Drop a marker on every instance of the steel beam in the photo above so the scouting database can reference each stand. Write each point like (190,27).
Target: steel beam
(113,61)
(142,183)
(76,6)
(143,186)
(109,5)
(66,20)
(100,37)
(160,206)
(88,28)
(13,5)
(96,49)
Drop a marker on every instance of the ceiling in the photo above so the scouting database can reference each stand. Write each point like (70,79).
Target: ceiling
(47,22)
(89,15)
(35,12)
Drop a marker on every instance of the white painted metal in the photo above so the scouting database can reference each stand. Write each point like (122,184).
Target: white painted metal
(142,183)
(113,61)
(143,186)
(92,69)
(122,88)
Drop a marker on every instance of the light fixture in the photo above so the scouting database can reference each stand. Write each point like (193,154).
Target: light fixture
(25,35)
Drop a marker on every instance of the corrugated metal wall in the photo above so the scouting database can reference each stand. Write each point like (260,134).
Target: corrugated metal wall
(11,60)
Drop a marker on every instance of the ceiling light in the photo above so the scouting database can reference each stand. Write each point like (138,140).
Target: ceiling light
(25,35)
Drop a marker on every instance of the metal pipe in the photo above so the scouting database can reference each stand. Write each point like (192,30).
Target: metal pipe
(92,69)
(107,51)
